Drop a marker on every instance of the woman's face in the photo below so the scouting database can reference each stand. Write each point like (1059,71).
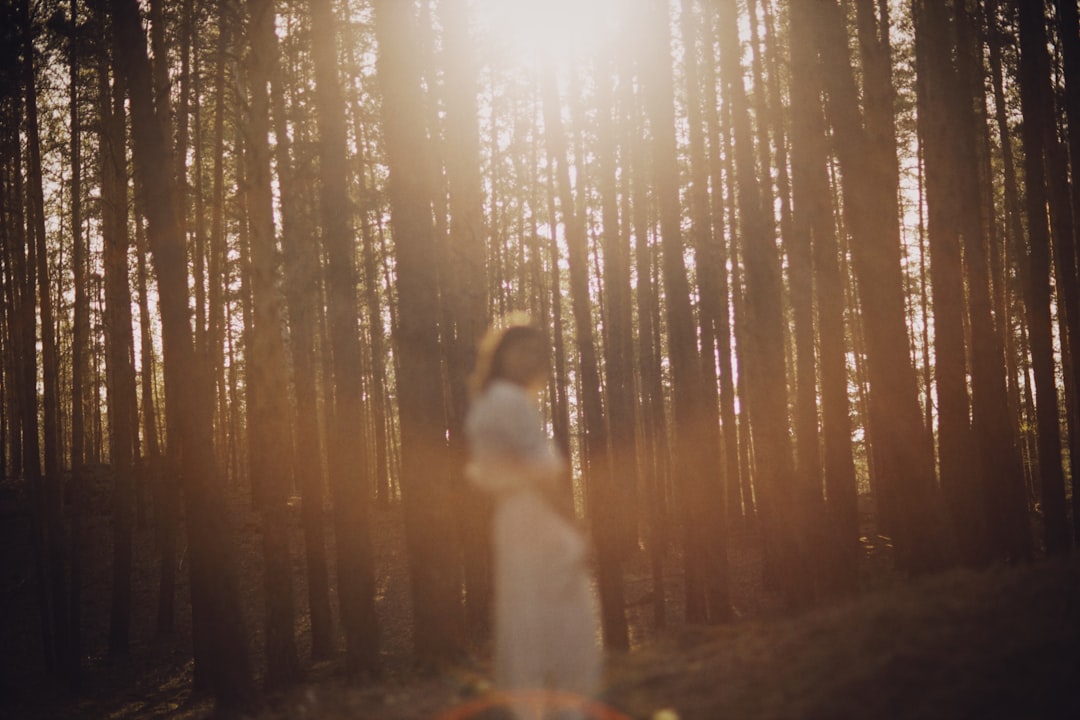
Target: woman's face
(525,362)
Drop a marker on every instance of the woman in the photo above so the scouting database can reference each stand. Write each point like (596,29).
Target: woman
(545,621)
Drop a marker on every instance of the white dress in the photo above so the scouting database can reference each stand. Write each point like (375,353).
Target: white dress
(545,616)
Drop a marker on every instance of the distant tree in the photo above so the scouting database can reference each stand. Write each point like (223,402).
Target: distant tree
(655,475)
(814,223)
(902,459)
(1037,107)
(268,403)
(596,460)
(784,505)
(80,351)
(618,312)
(55,532)
(701,238)
(465,288)
(355,564)
(1069,34)
(119,340)
(939,135)
(300,260)
(718,256)
(707,592)
(1002,498)
(1011,252)
(21,287)
(215,595)
(434,570)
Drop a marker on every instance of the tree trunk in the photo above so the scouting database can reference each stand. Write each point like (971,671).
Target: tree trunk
(618,324)
(79,364)
(939,135)
(50,362)
(1011,254)
(119,340)
(301,288)
(1036,105)
(1069,33)
(705,550)
(596,467)
(467,288)
(425,491)
(719,253)
(905,472)
(813,223)
(701,227)
(997,443)
(22,270)
(653,426)
(785,506)
(268,403)
(215,595)
(355,564)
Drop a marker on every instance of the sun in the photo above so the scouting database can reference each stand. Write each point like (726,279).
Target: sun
(537,32)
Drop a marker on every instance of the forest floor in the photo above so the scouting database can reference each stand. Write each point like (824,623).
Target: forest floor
(1001,643)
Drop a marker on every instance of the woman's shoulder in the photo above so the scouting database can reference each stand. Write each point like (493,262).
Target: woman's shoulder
(499,400)
(502,393)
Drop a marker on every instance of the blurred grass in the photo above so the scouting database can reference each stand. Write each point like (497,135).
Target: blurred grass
(1002,643)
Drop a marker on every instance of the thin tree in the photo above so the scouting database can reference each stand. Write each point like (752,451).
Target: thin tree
(50,362)
(939,132)
(301,268)
(785,505)
(701,226)
(719,253)
(355,564)
(707,592)
(80,359)
(813,223)
(214,591)
(618,320)
(996,440)
(119,341)
(268,428)
(596,461)
(1036,106)
(653,428)
(903,464)
(1069,31)
(464,280)
(434,571)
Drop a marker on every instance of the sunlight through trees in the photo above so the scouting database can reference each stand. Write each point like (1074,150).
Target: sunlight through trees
(809,272)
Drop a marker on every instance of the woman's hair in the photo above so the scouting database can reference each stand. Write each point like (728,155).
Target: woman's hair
(490,358)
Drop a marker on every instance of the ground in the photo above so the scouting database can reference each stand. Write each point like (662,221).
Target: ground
(1004,642)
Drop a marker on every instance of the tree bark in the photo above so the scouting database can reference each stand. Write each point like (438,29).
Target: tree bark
(215,595)
(466,288)
(813,223)
(1036,105)
(301,289)
(355,564)
(119,340)
(707,596)
(433,566)
(79,364)
(53,515)
(1006,523)
(939,135)
(785,506)
(268,404)
(596,467)
(903,464)
(1068,19)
